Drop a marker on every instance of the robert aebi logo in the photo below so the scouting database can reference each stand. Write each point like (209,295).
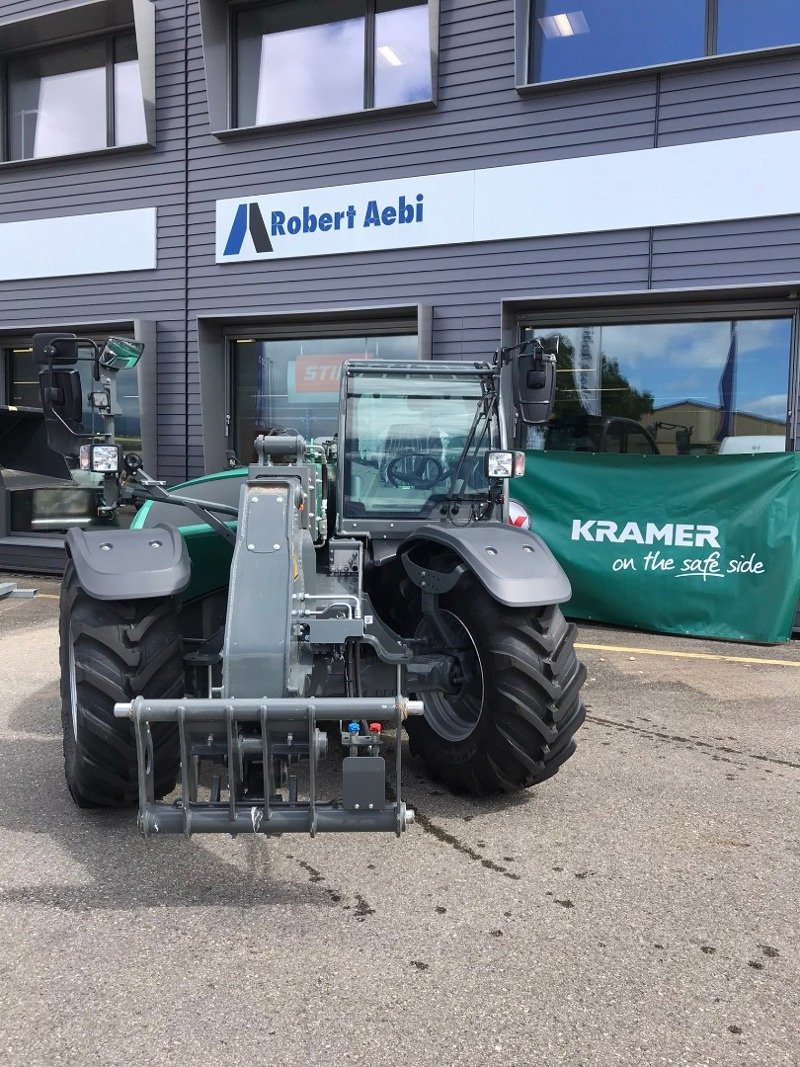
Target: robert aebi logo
(402,211)
(248,219)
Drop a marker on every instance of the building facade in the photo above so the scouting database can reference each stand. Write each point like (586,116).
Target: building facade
(260,190)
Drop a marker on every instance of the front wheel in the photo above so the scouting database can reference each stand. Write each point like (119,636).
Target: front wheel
(112,651)
(511,723)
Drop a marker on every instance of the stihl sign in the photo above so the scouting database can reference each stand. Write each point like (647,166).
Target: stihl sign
(320,374)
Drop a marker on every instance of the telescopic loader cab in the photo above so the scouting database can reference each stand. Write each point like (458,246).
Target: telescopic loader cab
(335,588)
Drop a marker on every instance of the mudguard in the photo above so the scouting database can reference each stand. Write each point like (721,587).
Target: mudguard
(514,566)
(130,564)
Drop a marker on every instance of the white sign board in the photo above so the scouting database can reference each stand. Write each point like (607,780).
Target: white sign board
(103,243)
(744,177)
(345,218)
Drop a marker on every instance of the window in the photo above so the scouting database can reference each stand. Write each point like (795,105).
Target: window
(22,378)
(301,60)
(294,383)
(77,98)
(405,442)
(54,510)
(601,36)
(688,387)
(744,24)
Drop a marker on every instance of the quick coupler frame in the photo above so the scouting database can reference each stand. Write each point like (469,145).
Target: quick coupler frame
(363,808)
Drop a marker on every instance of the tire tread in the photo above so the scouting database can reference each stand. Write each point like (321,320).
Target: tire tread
(532,702)
(121,649)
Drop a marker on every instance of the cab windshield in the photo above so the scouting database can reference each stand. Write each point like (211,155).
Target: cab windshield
(405,438)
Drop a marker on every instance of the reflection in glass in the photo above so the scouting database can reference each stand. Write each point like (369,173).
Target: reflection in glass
(402,53)
(22,377)
(129,122)
(293,66)
(608,35)
(57,102)
(743,25)
(694,386)
(294,384)
(54,511)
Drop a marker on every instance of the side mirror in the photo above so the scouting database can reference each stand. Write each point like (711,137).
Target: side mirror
(534,384)
(120,353)
(55,349)
(62,404)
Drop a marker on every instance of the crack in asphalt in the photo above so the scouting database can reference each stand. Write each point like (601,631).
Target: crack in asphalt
(658,735)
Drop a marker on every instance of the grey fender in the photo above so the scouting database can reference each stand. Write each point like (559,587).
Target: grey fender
(130,564)
(514,566)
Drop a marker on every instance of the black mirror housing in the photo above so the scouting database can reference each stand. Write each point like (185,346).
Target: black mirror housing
(62,404)
(55,349)
(534,384)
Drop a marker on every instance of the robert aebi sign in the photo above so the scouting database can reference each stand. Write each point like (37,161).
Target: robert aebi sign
(348,218)
(249,219)
(743,178)
(401,213)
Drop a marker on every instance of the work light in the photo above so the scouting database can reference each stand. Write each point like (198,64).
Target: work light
(505,464)
(102,459)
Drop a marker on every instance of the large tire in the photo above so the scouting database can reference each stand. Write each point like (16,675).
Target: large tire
(112,651)
(512,723)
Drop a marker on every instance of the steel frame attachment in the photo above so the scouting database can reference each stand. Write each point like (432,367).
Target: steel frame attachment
(269,816)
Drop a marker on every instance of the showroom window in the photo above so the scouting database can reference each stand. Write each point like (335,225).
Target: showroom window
(81,97)
(293,382)
(719,385)
(602,36)
(53,510)
(300,60)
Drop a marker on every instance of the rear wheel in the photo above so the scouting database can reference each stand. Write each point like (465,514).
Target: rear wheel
(511,723)
(112,651)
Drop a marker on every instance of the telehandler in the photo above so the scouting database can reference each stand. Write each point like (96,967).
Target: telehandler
(335,588)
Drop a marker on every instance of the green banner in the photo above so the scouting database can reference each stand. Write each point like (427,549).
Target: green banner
(702,545)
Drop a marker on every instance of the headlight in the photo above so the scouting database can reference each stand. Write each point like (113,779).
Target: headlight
(499,464)
(505,464)
(102,459)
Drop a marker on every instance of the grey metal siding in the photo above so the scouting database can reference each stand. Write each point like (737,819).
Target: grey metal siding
(480,121)
(751,251)
(730,100)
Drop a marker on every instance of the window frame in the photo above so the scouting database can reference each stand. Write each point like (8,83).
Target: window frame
(92,20)
(44,552)
(523,21)
(232,119)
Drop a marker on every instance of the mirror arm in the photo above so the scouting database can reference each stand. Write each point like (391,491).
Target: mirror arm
(71,432)
(149,489)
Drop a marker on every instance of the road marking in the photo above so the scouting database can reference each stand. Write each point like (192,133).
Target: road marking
(691,655)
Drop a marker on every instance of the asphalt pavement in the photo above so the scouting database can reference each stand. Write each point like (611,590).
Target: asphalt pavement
(639,908)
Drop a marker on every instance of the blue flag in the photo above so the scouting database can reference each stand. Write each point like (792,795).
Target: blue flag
(727,391)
